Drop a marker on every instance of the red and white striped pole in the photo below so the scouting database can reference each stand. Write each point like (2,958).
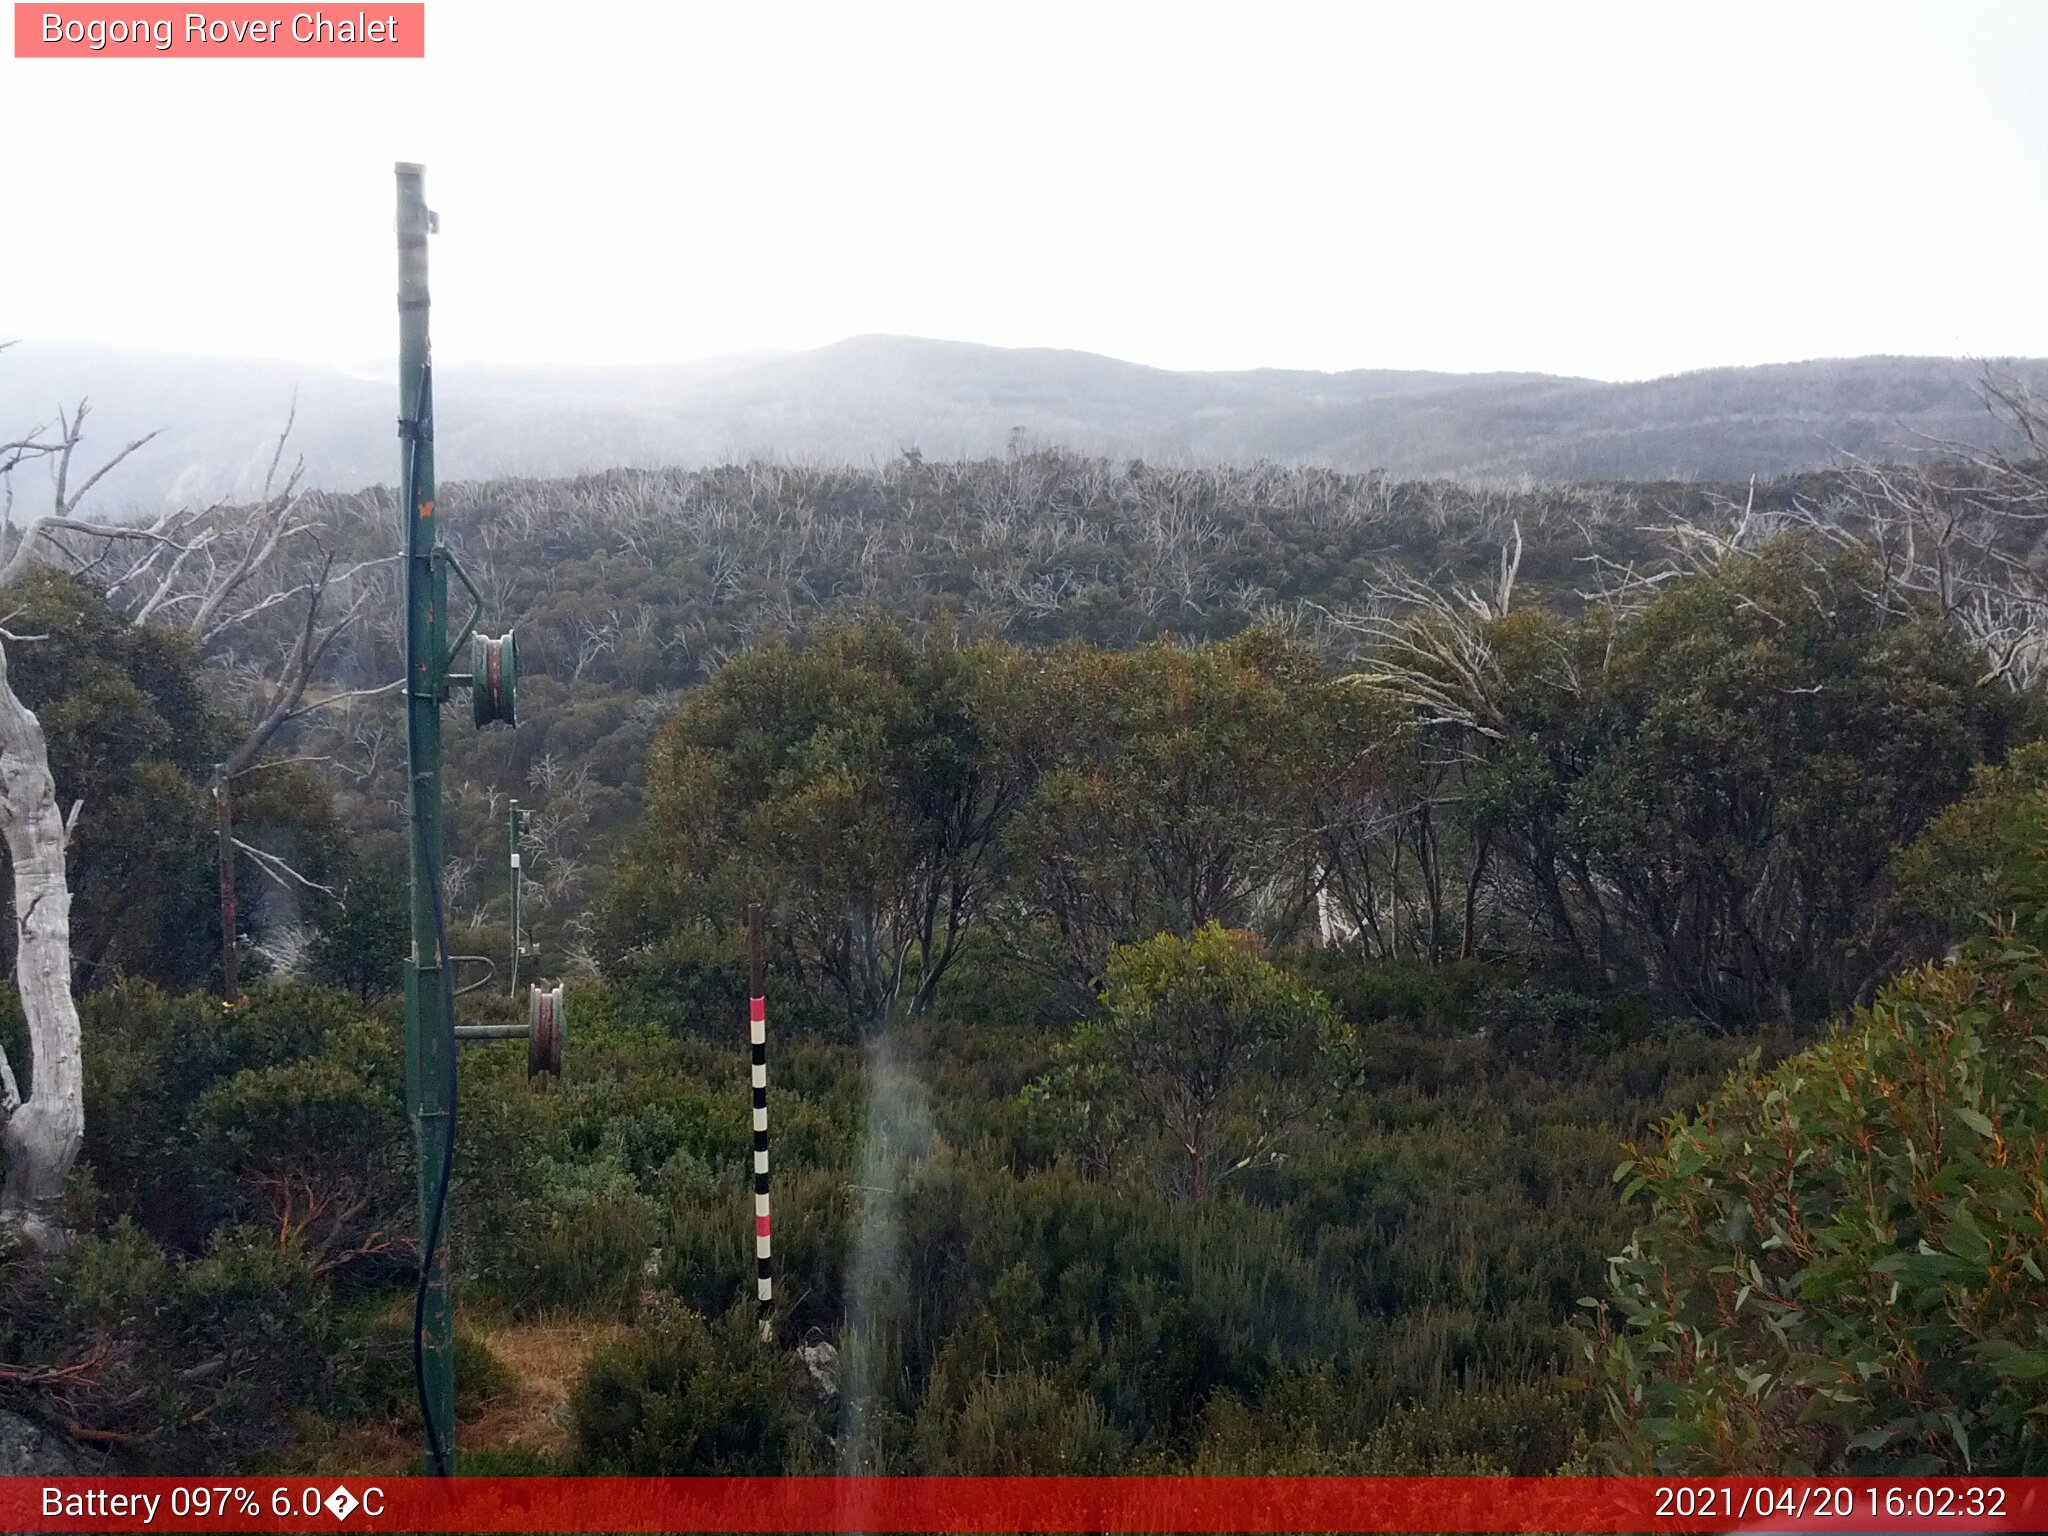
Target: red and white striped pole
(757,1024)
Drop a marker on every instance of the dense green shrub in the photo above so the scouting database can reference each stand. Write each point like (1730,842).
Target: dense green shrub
(203,1116)
(1019,1425)
(1703,795)
(708,1249)
(259,1306)
(1203,1048)
(687,1396)
(1424,1243)
(378,1379)
(1840,1270)
(316,1149)
(361,943)
(694,980)
(582,1246)
(1967,869)
(183,1363)
(1318,1423)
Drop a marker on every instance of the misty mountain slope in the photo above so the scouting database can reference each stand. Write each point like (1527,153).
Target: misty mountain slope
(874,397)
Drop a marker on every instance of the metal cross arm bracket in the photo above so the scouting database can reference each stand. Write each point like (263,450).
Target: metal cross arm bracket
(492,678)
(444,558)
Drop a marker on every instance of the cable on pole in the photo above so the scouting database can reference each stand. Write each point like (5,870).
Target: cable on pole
(421,430)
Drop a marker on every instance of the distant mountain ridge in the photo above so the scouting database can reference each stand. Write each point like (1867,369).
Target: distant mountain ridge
(872,397)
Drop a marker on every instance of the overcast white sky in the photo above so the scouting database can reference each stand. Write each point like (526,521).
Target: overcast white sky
(1617,191)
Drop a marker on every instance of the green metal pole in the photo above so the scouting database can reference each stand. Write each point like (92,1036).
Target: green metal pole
(430,1058)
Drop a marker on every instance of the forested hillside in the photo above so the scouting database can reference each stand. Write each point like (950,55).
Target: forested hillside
(1224,929)
(869,398)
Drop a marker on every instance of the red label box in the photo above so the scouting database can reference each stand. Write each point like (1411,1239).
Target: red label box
(1842,1506)
(233,31)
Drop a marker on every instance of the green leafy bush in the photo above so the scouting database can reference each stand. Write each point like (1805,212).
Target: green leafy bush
(1967,869)
(1203,1046)
(286,1107)
(378,1374)
(1020,1425)
(1841,1267)
(687,1396)
(1318,1422)
(317,1149)
(581,1247)
(362,939)
(180,1363)
(259,1305)
(708,1247)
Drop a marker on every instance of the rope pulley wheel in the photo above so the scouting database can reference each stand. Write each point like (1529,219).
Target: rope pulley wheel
(547,1023)
(494,685)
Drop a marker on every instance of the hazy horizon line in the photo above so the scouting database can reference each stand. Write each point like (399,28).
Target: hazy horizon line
(348,365)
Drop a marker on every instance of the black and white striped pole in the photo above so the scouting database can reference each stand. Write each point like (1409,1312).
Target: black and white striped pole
(757,1027)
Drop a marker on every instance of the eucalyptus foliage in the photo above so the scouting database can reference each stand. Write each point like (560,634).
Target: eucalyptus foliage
(1841,1265)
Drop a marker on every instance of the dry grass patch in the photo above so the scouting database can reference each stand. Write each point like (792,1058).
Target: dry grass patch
(545,1357)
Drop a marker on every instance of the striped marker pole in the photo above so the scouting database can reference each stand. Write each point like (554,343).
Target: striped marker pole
(757,1025)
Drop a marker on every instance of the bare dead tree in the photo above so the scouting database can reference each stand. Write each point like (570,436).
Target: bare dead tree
(1432,651)
(202,583)
(1949,536)
(286,701)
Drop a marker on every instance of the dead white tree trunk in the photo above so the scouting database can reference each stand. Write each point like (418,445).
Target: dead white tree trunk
(44,1128)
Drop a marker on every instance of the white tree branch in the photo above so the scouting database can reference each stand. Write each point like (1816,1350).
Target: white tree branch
(281,872)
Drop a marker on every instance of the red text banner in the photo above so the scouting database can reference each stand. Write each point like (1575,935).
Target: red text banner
(375,31)
(1027,1504)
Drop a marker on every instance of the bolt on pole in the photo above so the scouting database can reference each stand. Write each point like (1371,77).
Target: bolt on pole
(430,1053)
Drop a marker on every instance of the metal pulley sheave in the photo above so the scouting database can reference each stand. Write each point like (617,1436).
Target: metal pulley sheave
(546,1027)
(547,1023)
(494,679)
